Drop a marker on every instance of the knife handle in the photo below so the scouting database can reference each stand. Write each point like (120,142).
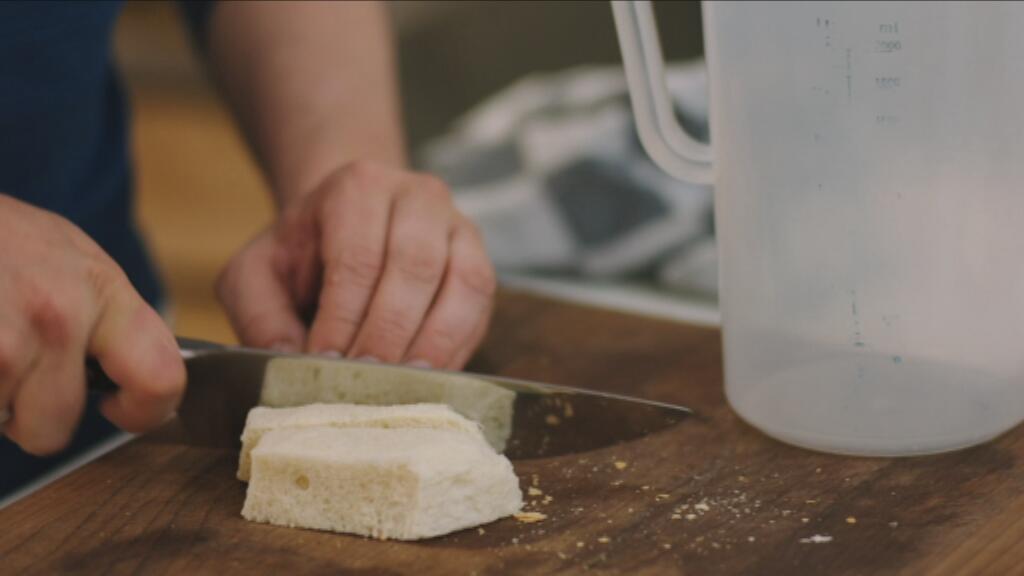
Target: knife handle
(96,380)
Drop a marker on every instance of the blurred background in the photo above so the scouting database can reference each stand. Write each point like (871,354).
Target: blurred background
(200,195)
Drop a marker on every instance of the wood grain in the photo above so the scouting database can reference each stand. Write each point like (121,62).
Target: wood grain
(710,495)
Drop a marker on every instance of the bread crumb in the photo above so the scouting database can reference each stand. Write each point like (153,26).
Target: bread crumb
(645,487)
(568,410)
(851,520)
(562,556)
(810,501)
(893,524)
(546,500)
(676,517)
(751,539)
(805,520)
(534,491)
(620,465)
(604,540)
(579,544)
(691,516)
(552,420)
(617,483)
(480,531)
(515,541)
(817,470)
(529,517)
(666,546)
(701,506)
(817,539)
(662,496)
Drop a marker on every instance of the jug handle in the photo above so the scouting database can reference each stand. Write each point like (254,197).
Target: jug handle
(671,148)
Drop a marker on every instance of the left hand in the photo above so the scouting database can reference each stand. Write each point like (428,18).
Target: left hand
(381,262)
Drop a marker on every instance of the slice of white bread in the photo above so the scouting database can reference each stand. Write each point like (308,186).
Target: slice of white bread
(404,484)
(262,420)
(297,382)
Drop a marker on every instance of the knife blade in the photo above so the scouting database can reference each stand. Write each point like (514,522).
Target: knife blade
(525,419)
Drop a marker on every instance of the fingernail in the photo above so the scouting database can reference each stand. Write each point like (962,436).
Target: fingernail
(418,364)
(330,353)
(284,346)
(370,359)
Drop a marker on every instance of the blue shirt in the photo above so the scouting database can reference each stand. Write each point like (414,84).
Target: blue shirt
(64,147)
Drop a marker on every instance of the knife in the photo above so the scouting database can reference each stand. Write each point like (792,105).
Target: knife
(524,419)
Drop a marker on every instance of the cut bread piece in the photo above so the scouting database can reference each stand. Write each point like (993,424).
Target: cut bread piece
(262,420)
(296,382)
(403,484)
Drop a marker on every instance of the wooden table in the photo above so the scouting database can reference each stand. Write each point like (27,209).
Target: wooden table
(708,496)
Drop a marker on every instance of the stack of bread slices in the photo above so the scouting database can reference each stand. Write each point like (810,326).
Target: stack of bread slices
(403,472)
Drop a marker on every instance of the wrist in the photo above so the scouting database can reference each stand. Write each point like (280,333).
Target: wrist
(301,169)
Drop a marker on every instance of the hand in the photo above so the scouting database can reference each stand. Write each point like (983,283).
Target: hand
(61,299)
(381,261)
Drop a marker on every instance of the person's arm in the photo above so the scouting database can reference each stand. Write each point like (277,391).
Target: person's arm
(376,254)
(313,84)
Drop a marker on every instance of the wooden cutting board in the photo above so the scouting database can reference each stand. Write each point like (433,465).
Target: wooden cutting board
(708,496)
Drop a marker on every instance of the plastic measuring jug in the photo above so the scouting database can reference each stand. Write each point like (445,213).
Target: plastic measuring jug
(868,164)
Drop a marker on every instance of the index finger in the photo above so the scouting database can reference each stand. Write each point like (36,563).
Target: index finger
(354,226)
(139,353)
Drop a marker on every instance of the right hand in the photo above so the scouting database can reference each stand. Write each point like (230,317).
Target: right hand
(63,299)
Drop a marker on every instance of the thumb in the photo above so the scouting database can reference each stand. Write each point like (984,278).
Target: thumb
(138,351)
(259,304)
